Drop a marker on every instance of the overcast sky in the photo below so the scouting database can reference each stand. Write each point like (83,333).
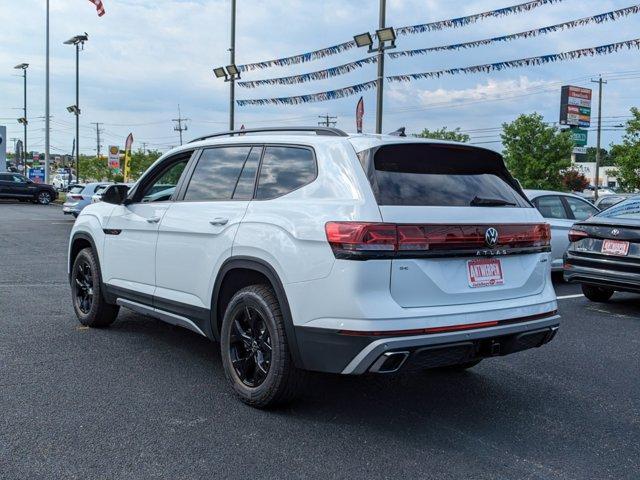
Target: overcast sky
(144,57)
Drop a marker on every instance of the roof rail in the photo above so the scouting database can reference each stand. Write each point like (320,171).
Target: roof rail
(328,131)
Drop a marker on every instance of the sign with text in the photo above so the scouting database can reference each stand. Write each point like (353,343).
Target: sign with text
(36,175)
(575,106)
(114,157)
(579,137)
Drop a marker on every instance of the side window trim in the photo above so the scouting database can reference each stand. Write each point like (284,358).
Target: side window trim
(567,208)
(285,145)
(190,170)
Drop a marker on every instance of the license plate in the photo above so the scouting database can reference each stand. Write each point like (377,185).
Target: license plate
(485,272)
(615,247)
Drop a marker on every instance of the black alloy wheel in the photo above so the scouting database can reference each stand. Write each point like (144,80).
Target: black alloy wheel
(250,346)
(83,288)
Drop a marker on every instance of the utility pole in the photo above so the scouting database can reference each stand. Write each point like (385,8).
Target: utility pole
(98,144)
(180,127)
(232,61)
(47,109)
(380,95)
(600,82)
(144,148)
(328,121)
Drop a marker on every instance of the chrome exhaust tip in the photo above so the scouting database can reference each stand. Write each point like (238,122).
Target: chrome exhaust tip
(389,362)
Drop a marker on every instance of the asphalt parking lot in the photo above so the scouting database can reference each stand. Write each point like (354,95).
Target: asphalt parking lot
(146,400)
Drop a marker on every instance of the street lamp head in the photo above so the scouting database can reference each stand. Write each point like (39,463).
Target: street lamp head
(386,34)
(22,121)
(77,39)
(363,40)
(232,70)
(22,66)
(219,72)
(73,109)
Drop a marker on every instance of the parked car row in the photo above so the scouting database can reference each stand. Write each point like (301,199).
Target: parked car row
(79,196)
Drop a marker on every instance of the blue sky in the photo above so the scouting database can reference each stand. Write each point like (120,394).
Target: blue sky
(144,57)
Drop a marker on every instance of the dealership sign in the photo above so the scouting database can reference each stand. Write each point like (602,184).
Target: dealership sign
(579,137)
(575,106)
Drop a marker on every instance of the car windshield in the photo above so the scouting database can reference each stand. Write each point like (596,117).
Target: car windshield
(100,189)
(629,209)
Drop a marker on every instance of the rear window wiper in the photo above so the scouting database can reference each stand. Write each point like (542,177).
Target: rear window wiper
(490,202)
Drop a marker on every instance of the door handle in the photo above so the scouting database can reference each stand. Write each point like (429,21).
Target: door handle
(219,221)
(153,219)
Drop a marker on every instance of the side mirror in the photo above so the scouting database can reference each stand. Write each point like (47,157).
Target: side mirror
(115,194)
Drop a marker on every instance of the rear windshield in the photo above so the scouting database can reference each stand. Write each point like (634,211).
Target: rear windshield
(629,209)
(76,189)
(440,175)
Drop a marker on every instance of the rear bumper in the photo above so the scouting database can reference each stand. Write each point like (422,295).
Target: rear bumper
(335,352)
(608,272)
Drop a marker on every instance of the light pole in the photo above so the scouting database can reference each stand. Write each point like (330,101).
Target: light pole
(78,41)
(24,120)
(384,35)
(230,74)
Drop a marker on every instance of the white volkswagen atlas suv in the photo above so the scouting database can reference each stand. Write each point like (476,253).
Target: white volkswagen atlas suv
(309,249)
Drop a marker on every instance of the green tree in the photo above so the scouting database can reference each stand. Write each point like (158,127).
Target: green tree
(606,159)
(445,134)
(141,161)
(536,153)
(627,154)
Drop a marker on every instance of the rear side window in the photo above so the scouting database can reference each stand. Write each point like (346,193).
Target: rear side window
(629,209)
(224,173)
(551,207)
(285,169)
(76,189)
(422,174)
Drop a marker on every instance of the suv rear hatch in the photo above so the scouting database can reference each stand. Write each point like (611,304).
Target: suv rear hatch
(465,231)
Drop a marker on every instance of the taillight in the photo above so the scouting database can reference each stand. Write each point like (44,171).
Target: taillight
(577,235)
(355,240)
(353,237)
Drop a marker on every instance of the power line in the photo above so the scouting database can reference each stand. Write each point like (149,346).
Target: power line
(328,121)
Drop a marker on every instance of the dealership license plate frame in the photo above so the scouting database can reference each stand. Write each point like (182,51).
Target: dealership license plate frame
(480,279)
(617,248)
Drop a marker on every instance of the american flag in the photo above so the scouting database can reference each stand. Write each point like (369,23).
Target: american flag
(99,6)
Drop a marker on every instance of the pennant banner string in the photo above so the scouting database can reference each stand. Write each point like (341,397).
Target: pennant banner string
(349,67)
(307,77)
(524,62)
(426,27)
(601,18)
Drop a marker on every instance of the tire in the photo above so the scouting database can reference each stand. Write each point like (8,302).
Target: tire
(254,349)
(44,198)
(86,291)
(597,294)
(461,367)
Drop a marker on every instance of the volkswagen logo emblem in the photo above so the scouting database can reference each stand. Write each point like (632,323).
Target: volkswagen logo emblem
(615,232)
(491,237)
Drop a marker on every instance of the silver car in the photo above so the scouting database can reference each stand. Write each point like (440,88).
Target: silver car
(561,210)
(79,196)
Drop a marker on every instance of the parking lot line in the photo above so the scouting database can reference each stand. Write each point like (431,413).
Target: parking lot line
(566,297)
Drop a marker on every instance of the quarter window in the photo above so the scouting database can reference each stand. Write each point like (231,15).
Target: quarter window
(224,173)
(285,169)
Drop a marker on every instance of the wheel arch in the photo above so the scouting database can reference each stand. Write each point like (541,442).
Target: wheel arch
(79,241)
(238,272)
